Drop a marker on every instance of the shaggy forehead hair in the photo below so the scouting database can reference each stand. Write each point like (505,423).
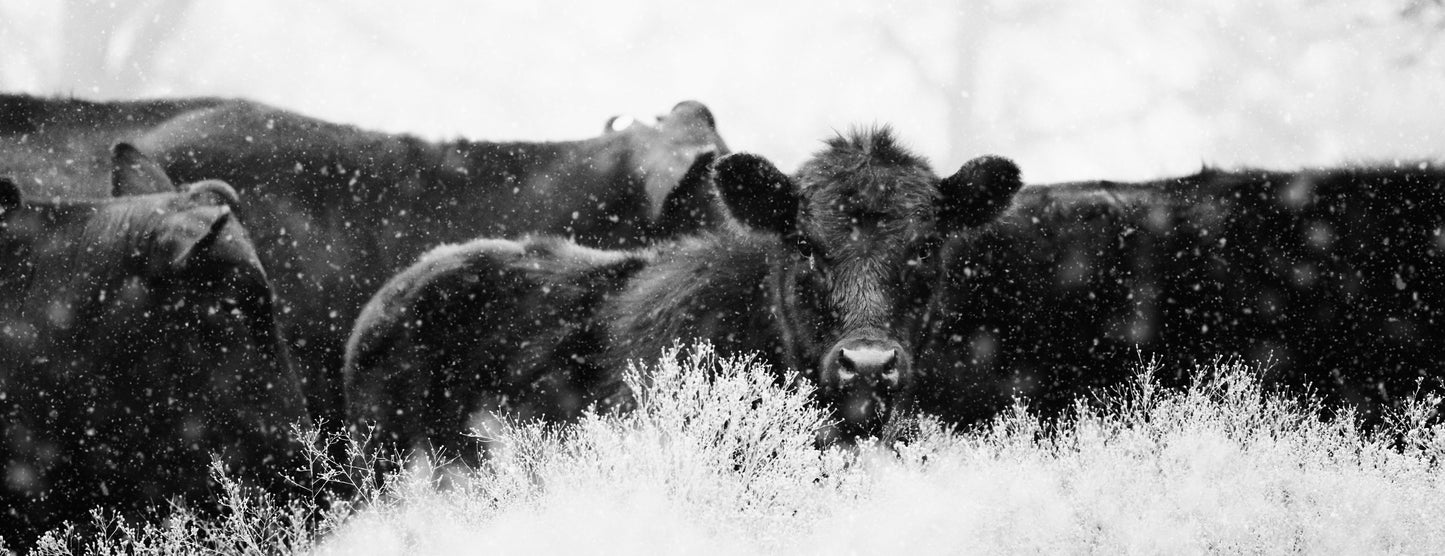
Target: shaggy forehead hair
(864,148)
(867,170)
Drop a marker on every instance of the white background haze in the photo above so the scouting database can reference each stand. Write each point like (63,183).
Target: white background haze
(1118,89)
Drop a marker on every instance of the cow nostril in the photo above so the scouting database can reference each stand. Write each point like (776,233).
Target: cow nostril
(876,363)
(889,374)
(847,369)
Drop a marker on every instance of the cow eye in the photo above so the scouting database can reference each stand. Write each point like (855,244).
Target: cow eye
(805,248)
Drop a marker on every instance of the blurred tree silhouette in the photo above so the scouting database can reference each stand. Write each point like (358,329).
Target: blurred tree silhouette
(956,86)
(1428,16)
(110,47)
(1128,89)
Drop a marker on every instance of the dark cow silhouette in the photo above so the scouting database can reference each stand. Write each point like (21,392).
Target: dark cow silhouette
(1330,278)
(336,210)
(137,338)
(60,147)
(827,273)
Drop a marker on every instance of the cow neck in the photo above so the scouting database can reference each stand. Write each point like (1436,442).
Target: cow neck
(930,321)
(783,295)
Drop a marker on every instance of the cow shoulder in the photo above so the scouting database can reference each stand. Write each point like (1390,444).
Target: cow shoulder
(456,294)
(387,317)
(709,278)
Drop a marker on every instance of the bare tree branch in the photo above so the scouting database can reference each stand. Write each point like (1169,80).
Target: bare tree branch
(894,42)
(154,30)
(25,42)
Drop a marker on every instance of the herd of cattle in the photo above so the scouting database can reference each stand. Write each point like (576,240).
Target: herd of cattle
(314,272)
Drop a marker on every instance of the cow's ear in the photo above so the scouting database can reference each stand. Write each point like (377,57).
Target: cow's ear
(692,205)
(691,112)
(977,193)
(185,233)
(196,227)
(756,192)
(215,192)
(134,173)
(618,123)
(9,194)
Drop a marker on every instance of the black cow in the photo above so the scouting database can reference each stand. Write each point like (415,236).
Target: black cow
(61,146)
(828,273)
(336,210)
(1331,279)
(137,338)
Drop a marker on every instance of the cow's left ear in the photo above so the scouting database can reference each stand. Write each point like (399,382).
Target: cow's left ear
(757,193)
(134,173)
(977,193)
(185,233)
(618,123)
(9,194)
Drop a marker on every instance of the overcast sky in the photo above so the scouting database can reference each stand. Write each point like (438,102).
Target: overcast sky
(1110,89)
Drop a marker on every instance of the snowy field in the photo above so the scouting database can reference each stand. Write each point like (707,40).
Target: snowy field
(721,461)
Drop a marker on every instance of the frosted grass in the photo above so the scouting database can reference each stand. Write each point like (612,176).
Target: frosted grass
(720,459)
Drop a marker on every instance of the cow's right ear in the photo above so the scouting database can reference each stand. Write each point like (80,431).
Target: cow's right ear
(134,173)
(9,194)
(756,192)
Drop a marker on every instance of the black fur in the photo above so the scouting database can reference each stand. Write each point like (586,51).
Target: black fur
(60,147)
(9,193)
(137,338)
(542,327)
(134,173)
(1331,279)
(760,195)
(336,210)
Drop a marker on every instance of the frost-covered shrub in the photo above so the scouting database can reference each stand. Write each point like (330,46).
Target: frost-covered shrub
(720,459)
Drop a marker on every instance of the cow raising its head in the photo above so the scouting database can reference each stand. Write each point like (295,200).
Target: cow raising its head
(861,225)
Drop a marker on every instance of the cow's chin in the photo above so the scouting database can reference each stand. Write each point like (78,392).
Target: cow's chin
(857,415)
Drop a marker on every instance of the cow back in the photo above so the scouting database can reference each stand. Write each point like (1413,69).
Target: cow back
(139,342)
(1325,279)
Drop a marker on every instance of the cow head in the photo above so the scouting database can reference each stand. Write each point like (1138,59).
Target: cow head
(681,142)
(111,264)
(862,224)
(151,312)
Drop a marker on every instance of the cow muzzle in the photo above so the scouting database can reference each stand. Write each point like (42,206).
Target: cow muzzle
(863,374)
